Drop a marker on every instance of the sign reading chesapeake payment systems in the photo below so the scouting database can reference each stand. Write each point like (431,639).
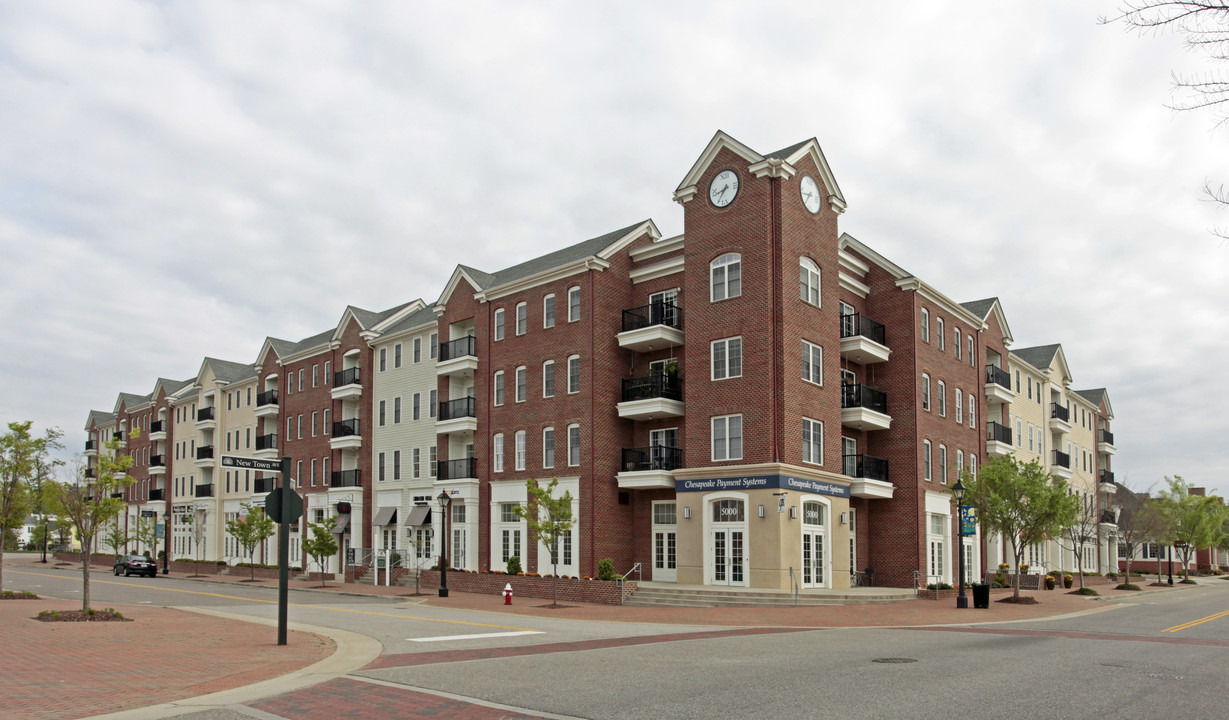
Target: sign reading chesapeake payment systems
(762,482)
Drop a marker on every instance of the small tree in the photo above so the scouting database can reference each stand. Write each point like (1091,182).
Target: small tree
(146,535)
(1082,530)
(1139,521)
(117,536)
(40,488)
(322,544)
(22,457)
(1023,503)
(88,505)
(549,519)
(250,531)
(1195,520)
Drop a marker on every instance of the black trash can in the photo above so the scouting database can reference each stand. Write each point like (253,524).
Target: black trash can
(981,596)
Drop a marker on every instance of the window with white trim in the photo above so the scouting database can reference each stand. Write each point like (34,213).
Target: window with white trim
(522,383)
(522,318)
(812,363)
(573,374)
(943,464)
(942,399)
(972,354)
(498,323)
(548,447)
(925,392)
(939,333)
(959,463)
(926,459)
(812,441)
(727,434)
(548,379)
(548,311)
(497,453)
(727,355)
(573,445)
(972,410)
(959,405)
(808,281)
(925,325)
(499,388)
(956,341)
(726,277)
(520,449)
(573,304)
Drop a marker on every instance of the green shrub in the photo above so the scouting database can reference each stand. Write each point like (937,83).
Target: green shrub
(1188,581)
(1000,579)
(514,565)
(939,586)
(1127,586)
(1086,591)
(256,565)
(605,569)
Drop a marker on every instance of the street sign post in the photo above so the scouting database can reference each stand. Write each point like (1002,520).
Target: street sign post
(247,463)
(274,501)
(284,506)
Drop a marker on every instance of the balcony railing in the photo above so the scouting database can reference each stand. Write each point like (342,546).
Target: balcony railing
(264,485)
(456,469)
(1107,477)
(997,432)
(155,494)
(204,452)
(117,436)
(347,377)
(89,445)
(347,478)
(1109,516)
(91,472)
(460,347)
(204,414)
(157,460)
(865,397)
(998,376)
(858,324)
(459,408)
(204,490)
(117,494)
(654,457)
(1059,412)
(268,397)
(658,313)
(865,466)
(649,387)
(157,426)
(346,428)
(1060,459)
(266,442)
(1105,436)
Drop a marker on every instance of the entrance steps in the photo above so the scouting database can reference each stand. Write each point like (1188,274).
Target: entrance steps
(657,594)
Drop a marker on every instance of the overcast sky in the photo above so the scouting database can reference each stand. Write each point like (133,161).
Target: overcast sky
(182,179)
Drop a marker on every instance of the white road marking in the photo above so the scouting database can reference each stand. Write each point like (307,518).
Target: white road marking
(478,636)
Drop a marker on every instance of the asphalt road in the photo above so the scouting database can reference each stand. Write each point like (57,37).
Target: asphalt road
(1164,656)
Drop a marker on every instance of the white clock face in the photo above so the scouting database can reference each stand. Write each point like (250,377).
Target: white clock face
(723,188)
(810,194)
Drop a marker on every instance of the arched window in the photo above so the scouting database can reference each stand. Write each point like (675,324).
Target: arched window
(727,276)
(808,280)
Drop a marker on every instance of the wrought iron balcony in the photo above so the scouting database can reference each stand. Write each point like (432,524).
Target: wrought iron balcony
(459,408)
(456,469)
(157,461)
(1109,516)
(117,436)
(1060,459)
(205,414)
(347,478)
(1105,436)
(155,494)
(859,395)
(998,376)
(204,452)
(654,457)
(458,348)
(91,472)
(266,442)
(347,377)
(1059,412)
(997,432)
(650,387)
(346,428)
(268,397)
(117,495)
(1107,477)
(89,445)
(865,466)
(658,313)
(204,490)
(157,426)
(857,324)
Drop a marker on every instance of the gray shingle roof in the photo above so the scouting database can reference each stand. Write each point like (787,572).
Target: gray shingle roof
(230,372)
(546,262)
(174,386)
(980,308)
(786,152)
(1094,396)
(280,346)
(414,319)
(99,417)
(131,400)
(309,342)
(369,319)
(1039,357)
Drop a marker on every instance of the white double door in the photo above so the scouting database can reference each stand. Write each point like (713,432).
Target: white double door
(729,552)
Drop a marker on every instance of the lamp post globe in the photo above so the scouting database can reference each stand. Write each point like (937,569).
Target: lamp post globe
(445,500)
(958,490)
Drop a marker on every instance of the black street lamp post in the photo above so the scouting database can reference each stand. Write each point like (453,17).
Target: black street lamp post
(962,601)
(445,500)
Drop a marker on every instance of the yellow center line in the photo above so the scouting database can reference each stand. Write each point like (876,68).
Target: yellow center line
(1193,623)
(301,605)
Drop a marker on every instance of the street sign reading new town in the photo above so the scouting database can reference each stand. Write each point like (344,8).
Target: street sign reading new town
(251,463)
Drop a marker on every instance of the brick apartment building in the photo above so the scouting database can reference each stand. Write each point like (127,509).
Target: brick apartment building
(760,397)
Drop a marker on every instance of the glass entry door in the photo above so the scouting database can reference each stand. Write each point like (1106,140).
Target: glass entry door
(729,558)
(814,544)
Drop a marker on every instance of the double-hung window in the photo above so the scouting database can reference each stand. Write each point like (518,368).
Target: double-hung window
(499,388)
(812,441)
(727,358)
(808,281)
(727,432)
(925,325)
(942,399)
(939,333)
(573,374)
(497,453)
(726,275)
(548,447)
(548,379)
(573,304)
(548,311)
(522,383)
(573,445)
(959,405)
(812,363)
(926,459)
(520,449)
(498,322)
(522,318)
(925,392)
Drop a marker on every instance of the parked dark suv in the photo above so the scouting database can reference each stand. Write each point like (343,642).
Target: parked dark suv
(139,564)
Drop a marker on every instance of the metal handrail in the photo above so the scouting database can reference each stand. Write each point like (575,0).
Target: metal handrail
(620,580)
(919,586)
(793,584)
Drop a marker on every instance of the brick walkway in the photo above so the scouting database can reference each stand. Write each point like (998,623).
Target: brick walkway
(358,700)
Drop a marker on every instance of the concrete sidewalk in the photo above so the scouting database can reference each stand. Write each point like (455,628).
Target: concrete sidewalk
(166,658)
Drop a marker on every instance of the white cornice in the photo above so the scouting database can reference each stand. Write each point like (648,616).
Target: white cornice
(685,195)
(666,267)
(661,247)
(648,227)
(719,142)
(558,273)
(386,338)
(836,199)
(773,168)
(853,264)
(853,285)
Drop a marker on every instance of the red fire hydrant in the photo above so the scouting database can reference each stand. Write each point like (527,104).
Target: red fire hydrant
(508,594)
